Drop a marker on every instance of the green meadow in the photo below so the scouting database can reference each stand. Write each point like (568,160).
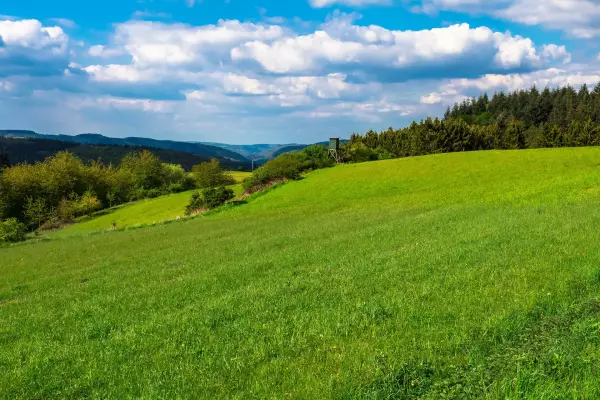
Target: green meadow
(143,212)
(465,275)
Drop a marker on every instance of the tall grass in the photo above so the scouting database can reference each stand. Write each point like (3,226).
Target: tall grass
(471,275)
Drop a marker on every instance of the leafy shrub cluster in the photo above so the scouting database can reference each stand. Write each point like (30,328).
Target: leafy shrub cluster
(12,231)
(357,152)
(210,198)
(210,174)
(62,187)
(289,166)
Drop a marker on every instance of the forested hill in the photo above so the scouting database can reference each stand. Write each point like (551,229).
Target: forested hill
(562,117)
(204,150)
(31,150)
(560,107)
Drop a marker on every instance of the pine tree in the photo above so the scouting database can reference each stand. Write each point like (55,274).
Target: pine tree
(514,137)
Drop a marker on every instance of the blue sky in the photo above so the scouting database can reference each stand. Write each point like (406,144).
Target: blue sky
(240,71)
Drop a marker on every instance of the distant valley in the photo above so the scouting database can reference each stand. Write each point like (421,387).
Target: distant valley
(30,146)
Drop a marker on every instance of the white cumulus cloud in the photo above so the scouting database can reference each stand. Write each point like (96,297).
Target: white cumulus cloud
(580,18)
(343,45)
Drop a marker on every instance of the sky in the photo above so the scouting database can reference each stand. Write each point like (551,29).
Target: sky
(272,71)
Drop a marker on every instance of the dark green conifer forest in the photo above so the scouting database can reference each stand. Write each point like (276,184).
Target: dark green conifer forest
(560,117)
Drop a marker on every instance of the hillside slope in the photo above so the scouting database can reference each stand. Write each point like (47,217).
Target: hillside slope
(256,152)
(466,275)
(96,139)
(33,150)
(143,212)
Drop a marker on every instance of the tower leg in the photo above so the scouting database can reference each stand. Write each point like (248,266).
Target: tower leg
(335,155)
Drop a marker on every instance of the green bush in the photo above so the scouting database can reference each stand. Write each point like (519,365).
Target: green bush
(154,192)
(290,166)
(383,154)
(315,156)
(358,152)
(286,166)
(36,211)
(215,197)
(210,198)
(176,188)
(12,231)
(196,203)
(31,193)
(210,174)
(77,206)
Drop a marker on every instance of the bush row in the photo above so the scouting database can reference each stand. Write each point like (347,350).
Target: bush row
(62,187)
(289,166)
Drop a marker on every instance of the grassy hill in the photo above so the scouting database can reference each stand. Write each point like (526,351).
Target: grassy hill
(466,275)
(143,212)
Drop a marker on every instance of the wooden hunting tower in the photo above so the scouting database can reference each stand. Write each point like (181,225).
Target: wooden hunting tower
(334,144)
(334,149)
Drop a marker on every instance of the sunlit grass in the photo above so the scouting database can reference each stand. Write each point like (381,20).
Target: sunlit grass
(471,275)
(144,212)
(239,176)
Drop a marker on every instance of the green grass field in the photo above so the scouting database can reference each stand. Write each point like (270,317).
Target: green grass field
(239,176)
(467,275)
(144,212)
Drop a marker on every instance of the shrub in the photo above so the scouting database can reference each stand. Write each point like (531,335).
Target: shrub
(147,170)
(210,198)
(88,203)
(214,197)
(36,211)
(176,188)
(383,154)
(76,206)
(286,166)
(260,176)
(210,174)
(315,156)
(53,221)
(358,152)
(31,193)
(290,166)
(174,173)
(196,203)
(12,231)
(66,210)
(153,193)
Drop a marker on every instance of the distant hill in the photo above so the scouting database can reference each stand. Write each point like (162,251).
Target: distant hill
(230,155)
(298,147)
(263,152)
(260,152)
(31,150)
(288,149)
(96,139)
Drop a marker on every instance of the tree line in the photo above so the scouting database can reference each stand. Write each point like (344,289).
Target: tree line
(63,187)
(32,150)
(558,106)
(561,117)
